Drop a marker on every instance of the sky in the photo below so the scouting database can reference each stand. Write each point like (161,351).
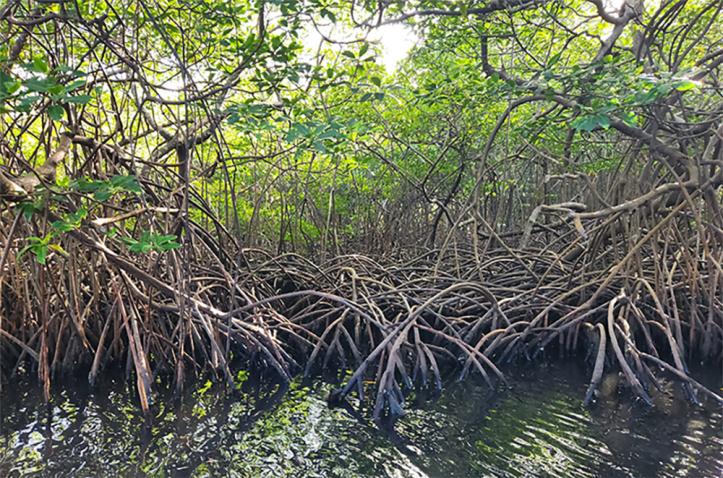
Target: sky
(395,41)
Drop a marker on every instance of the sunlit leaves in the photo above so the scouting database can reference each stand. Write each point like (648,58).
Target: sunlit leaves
(241,377)
(371,96)
(39,65)
(300,120)
(70,221)
(40,248)
(58,86)
(149,241)
(253,117)
(684,85)
(322,136)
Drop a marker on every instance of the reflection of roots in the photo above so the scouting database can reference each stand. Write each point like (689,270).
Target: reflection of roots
(640,304)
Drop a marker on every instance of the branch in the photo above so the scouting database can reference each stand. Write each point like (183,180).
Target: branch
(493,6)
(22,187)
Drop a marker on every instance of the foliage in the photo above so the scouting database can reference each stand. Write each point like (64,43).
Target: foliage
(151,242)
(161,144)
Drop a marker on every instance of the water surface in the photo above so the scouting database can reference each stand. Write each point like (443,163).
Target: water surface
(537,428)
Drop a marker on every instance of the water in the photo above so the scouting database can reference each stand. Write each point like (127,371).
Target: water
(539,428)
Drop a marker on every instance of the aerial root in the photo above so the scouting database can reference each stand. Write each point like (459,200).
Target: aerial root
(396,327)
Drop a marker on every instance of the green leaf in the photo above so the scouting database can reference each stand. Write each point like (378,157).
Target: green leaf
(39,247)
(319,146)
(102,195)
(148,242)
(28,208)
(56,112)
(328,14)
(58,248)
(241,377)
(23,251)
(85,185)
(685,85)
(166,243)
(74,85)
(78,100)
(297,131)
(126,183)
(39,85)
(591,122)
(630,118)
(104,190)
(62,182)
(12,86)
(39,65)
(27,103)
(70,221)
(330,134)
(554,59)
(41,253)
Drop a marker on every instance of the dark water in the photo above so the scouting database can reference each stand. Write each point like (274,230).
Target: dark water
(539,428)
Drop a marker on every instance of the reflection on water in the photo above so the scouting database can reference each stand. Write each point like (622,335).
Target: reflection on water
(539,428)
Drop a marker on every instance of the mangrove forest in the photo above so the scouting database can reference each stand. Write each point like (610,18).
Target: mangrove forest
(429,223)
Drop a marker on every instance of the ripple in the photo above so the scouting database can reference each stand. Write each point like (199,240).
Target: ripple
(537,429)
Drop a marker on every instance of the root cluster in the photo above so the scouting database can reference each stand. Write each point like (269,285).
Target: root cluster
(645,305)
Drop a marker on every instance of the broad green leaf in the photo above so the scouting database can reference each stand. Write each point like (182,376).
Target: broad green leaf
(591,122)
(40,65)
(56,112)
(12,86)
(78,100)
(39,85)
(685,85)
(148,242)
(126,183)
